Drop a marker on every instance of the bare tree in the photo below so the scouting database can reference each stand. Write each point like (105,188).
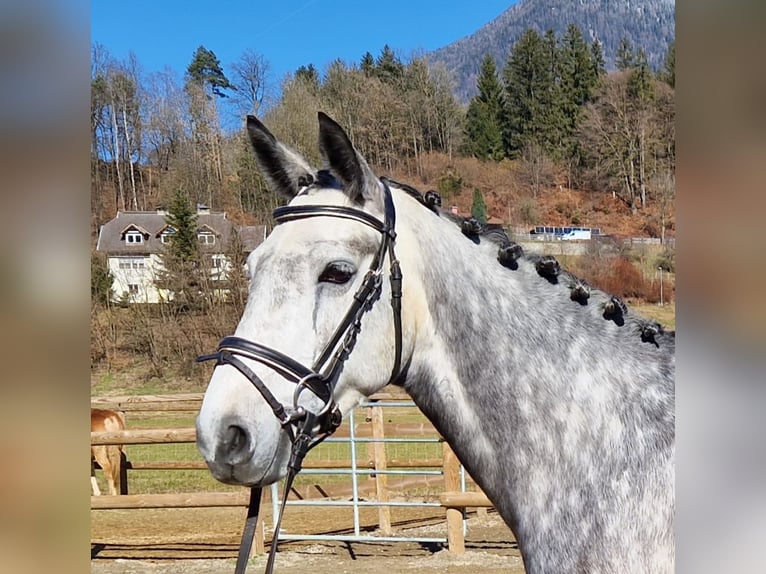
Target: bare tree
(628,138)
(448,117)
(536,167)
(164,118)
(294,118)
(250,80)
(205,83)
(664,185)
(99,126)
(604,133)
(116,122)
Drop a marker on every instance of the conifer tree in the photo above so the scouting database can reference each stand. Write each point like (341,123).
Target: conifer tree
(625,58)
(479,207)
(183,220)
(101,280)
(483,118)
(530,113)
(182,271)
(205,83)
(579,73)
(205,70)
(641,92)
(552,120)
(641,82)
(388,66)
(309,76)
(597,61)
(668,73)
(579,83)
(367,64)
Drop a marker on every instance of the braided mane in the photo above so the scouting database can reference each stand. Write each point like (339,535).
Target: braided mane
(509,253)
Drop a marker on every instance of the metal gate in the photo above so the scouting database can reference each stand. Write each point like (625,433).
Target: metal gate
(355,471)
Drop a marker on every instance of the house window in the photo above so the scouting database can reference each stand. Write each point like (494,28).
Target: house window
(218,267)
(131,263)
(134,237)
(133,289)
(206,237)
(167,235)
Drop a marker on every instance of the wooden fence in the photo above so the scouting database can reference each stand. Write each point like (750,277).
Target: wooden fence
(453,498)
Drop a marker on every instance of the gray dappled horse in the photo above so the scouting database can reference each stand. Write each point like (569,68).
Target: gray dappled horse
(558,400)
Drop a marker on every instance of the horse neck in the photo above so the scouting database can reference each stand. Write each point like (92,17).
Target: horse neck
(511,371)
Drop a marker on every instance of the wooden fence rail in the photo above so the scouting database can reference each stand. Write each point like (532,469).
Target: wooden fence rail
(452,499)
(185,435)
(183,500)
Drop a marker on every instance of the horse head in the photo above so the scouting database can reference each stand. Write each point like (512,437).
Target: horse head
(315,284)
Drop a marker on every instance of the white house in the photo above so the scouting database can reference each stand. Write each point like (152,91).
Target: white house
(134,241)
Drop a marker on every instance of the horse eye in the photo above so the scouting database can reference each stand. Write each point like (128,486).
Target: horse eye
(338,272)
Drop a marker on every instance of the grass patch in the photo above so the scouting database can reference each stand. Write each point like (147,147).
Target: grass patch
(665,315)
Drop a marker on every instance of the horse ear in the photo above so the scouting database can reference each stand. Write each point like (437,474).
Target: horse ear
(359,181)
(285,170)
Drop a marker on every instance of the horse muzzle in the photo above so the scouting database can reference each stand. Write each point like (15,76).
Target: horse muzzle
(240,454)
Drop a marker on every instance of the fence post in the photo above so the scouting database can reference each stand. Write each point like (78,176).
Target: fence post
(379,458)
(259,546)
(123,473)
(455,540)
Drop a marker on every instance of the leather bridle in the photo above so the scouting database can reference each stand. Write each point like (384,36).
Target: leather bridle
(305,428)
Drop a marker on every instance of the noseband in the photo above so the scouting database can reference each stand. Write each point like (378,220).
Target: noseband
(307,429)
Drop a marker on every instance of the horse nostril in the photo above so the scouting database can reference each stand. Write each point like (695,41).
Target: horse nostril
(234,445)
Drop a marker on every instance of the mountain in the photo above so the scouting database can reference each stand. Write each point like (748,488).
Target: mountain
(648,24)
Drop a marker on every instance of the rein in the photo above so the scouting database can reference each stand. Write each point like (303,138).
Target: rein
(307,429)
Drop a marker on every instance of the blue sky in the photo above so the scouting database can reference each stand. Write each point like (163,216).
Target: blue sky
(288,33)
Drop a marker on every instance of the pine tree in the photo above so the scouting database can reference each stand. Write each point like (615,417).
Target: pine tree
(641,92)
(182,271)
(483,118)
(579,74)
(641,86)
(367,65)
(205,70)
(490,90)
(552,120)
(205,83)
(598,64)
(530,112)
(625,58)
(579,83)
(479,207)
(183,220)
(388,67)
(309,76)
(668,73)
(100,280)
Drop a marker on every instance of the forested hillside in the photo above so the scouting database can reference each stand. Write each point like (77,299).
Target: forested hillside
(649,24)
(550,138)
(550,118)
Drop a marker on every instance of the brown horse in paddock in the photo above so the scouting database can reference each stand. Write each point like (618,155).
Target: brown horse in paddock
(107,456)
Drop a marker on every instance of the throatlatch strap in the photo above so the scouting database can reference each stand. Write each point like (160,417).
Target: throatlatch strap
(253,509)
